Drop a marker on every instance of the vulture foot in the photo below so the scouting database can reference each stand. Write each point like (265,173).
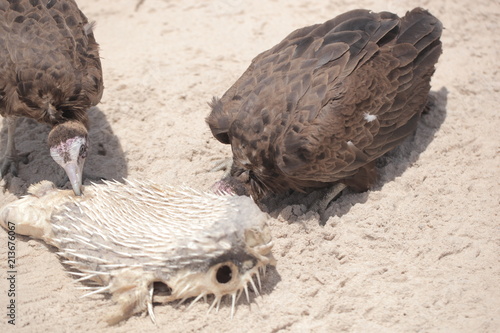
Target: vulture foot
(10,162)
(430,104)
(322,205)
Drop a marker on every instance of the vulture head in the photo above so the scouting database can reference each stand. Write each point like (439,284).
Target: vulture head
(68,147)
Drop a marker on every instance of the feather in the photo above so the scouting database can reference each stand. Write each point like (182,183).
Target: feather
(318,108)
(50,70)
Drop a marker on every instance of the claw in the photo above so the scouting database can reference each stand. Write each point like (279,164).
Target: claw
(322,206)
(11,158)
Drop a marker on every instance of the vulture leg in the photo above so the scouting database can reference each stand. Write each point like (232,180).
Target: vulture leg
(430,104)
(322,205)
(362,181)
(11,159)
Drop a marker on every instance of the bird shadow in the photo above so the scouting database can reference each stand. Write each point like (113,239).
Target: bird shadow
(294,206)
(106,159)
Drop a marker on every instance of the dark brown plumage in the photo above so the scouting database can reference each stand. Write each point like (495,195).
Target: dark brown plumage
(49,71)
(318,108)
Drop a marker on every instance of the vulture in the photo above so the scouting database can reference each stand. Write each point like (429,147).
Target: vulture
(50,71)
(317,110)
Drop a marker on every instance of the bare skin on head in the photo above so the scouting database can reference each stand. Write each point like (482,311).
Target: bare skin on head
(49,72)
(69,147)
(320,107)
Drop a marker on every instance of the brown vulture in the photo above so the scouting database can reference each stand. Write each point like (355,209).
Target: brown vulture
(50,71)
(320,107)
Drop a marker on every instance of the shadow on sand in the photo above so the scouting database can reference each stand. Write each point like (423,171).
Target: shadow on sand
(106,158)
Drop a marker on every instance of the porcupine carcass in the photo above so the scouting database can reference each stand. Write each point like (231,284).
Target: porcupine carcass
(320,107)
(50,71)
(127,237)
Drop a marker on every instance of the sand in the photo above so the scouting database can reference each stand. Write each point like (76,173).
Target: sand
(418,253)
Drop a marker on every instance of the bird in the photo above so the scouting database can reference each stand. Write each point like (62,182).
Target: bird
(50,71)
(317,109)
(135,238)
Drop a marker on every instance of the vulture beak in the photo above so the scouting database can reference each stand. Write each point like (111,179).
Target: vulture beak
(70,155)
(74,172)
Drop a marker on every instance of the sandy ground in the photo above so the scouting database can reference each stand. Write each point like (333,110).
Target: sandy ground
(418,253)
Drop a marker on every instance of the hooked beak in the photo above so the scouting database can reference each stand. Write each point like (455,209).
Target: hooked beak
(74,172)
(70,155)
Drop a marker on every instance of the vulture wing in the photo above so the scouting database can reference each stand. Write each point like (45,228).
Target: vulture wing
(49,63)
(329,99)
(356,110)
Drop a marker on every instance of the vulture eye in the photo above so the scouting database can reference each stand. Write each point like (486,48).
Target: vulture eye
(83,151)
(224,274)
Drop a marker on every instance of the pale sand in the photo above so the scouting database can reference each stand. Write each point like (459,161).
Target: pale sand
(419,253)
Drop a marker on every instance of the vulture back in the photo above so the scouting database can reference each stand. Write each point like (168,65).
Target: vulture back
(49,61)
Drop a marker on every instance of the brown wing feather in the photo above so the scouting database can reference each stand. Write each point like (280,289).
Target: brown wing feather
(321,105)
(392,86)
(289,57)
(49,63)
